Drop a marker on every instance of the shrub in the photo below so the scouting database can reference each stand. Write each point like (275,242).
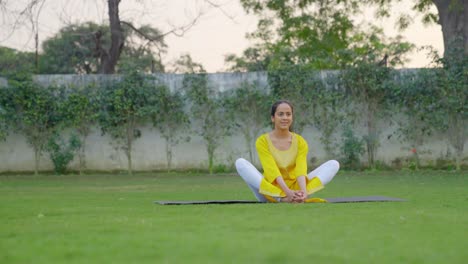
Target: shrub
(62,153)
(352,148)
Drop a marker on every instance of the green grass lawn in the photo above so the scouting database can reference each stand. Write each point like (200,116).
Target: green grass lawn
(112,219)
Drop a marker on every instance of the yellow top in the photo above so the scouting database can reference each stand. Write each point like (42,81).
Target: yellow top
(288,164)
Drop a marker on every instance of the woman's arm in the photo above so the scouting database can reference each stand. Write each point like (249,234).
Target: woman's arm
(291,196)
(301,180)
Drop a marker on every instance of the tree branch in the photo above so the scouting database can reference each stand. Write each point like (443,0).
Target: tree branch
(218,6)
(178,31)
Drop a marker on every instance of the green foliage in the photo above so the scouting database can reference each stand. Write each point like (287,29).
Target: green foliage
(73,50)
(351,149)
(249,109)
(207,108)
(368,86)
(61,152)
(436,100)
(185,64)
(126,106)
(313,33)
(13,61)
(328,115)
(3,124)
(172,121)
(142,54)
(452,84)
(80,110)
(317,34)
(252,59)
(297,84)
(3,113)
(410,98)
(33,111)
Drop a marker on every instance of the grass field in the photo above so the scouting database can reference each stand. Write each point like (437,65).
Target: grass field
(112,219)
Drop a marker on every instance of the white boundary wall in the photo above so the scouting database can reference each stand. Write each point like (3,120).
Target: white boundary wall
(149,150)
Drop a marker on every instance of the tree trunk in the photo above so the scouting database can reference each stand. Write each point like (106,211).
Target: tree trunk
(169,153)
(37,155)
(211,150)
(109,59)
(371,133)
(248,140)
(457,133)
(453,17)
(130,129)
(81,154)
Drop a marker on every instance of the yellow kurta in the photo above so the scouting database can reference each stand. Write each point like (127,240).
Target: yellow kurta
(289,164)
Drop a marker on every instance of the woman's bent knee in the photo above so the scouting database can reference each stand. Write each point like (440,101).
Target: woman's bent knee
(334,164)
(241,162)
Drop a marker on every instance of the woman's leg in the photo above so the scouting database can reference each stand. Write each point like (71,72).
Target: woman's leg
(325,172)
(251,176)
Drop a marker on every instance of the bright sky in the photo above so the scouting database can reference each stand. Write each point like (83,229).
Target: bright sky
(217,33)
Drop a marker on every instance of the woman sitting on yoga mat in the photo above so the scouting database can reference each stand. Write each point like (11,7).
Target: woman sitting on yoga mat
(283,155)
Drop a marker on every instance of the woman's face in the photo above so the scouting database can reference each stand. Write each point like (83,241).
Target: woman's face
(283,117)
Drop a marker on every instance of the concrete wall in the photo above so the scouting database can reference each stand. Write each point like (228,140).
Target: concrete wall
(149,150)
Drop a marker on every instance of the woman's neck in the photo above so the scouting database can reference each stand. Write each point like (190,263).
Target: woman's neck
(281,133)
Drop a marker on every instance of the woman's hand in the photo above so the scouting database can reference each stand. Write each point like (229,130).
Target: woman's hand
(294,197)
(300,196)
(290,196)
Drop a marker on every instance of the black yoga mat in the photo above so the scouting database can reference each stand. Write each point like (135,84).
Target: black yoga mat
(354,199)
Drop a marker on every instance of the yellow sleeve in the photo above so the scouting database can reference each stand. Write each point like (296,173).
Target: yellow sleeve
(270,169)
(301,159)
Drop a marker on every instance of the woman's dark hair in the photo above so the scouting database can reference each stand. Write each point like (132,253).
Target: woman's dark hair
(275,106)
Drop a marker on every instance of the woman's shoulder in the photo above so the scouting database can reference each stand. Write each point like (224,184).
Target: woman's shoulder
(299,138)
(262,142)
(263,137)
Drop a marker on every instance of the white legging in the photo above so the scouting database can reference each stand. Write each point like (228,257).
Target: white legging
(253,177)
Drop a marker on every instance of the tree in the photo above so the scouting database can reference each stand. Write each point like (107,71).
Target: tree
(368,86)
(452,81)
(107,56)
(3,114)
(317,100)
(80,110)
(13,61)
(249,106)
(252,59)
(369,82)
(34,113)
(185,64)
(127,105)
(313,33)
(303,20)
(172,121)
(206,107)
(297,84)
(440,96)
(73,50)
(411,98)
(205,103)
(61,152)
(452,17)
(327,113)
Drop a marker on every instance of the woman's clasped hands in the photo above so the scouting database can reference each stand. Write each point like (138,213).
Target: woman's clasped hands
(293,196)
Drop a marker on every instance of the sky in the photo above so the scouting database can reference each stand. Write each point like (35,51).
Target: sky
(218,31)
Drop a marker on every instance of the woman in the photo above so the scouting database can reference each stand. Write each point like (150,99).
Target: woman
(283,155)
